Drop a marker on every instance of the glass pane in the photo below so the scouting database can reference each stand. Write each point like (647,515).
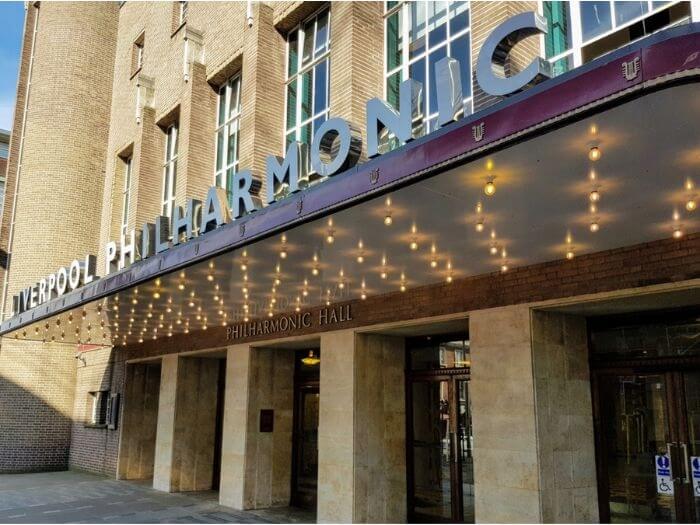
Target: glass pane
(448,354)
(394,43)
(318,121)
(459,50)
(173,180)
(307,82)
(234,104)
(321,87)
(431,449)
(648,340)
(289,139)
(595,19)
(392,89)
(459,17)
(465,441)
(308,36)
(417,29)
(166,184)
(306,134)
(391,4)
(220,149)
(322,34)
(656,5)
(437,23)
(432,91)
(292,59)
(222,105)
(635,429)
(229,185)
(232,146)
(626,11)
(563,65)
(691,382)
(292,104)
(558,38)
(416,71)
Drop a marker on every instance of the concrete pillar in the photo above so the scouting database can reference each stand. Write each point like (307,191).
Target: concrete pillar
(362,428)
(256,469)
(235,433)
(139,421)
(165,433)
(532,418)
(564,418)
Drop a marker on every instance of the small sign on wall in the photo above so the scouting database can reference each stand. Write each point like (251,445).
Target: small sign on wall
(267,420)
(664,480)
(695,469)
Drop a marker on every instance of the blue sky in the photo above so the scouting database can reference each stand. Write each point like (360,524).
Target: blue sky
(11,26)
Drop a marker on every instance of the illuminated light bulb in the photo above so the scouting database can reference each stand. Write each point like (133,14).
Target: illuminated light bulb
(360,258)
(677,233)
(594,227)
(383,274)
(691,205)
(283,253)
(330,239)
(277,281)
(245,318)
(363,296)
(210,277)
(413,245)
(594,196)
(569,254)
(593,208)
(156,295)
(479,225)
(134,301)
(449,279)
(490,188)
(388,221)
(594,153)
(592,174)
(270,314)
(181,286)
(504,268)
(403,287)
(493,250)
(305,292)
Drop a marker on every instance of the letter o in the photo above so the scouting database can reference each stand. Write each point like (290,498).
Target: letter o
(61,280)
(284,321)
(74,275)
(339,135)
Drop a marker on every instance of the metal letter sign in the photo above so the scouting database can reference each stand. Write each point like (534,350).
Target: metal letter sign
(490,67)
(664,480)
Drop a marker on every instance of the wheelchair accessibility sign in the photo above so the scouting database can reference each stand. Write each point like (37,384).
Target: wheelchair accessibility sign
(695,468)
(664,480)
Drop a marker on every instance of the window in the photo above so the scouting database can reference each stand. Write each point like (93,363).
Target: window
(227,133)
(126,194)
(4,150)
(97,408)
(170,170)
(419,34)
(137,54)
(308,78)
(580,31)
(182,12)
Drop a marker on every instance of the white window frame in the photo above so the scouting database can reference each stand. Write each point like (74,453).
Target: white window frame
(298,76)
(98,397)
(403,7)
(169,170)
(234,119)
(577,41)
(182,12)
(126,195)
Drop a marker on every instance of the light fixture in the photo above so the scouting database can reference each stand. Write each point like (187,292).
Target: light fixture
(449,271)
(244,261)
(677,232)
(479,225)
(691,205)
(490,188)
(569,254)
(330,235)
(361,254)
(433,257)
(311,359)
(414,241)
(594,196)
(387,218)
(283,250)
(403,282)
(504,267)
(569,247)
(363,293)
(383,273)
(594,153)
(594,227)
(593,208)
(341,284)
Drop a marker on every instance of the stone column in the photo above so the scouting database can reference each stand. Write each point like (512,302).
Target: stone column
(532,417)
(165,432)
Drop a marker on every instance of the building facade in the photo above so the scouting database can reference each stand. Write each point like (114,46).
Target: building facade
(388,261)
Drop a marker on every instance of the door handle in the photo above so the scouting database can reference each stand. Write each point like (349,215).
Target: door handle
(686,477)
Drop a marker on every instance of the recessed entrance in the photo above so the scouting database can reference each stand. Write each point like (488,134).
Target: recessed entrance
(305,436)
(439,433)
(646,394)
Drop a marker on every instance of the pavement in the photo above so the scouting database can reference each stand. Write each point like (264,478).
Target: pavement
(77,497)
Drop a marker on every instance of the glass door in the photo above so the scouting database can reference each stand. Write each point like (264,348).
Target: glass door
(440,450)
(648,432)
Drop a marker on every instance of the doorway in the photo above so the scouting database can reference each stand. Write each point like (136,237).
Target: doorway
(305,434)
(646,398)
(439,432)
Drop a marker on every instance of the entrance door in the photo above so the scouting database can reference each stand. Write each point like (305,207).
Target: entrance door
(646,421)
(305,439)
(439,447)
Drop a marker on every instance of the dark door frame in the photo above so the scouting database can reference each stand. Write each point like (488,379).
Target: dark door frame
(672,368)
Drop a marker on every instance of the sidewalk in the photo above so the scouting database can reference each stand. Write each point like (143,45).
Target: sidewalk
(76,497)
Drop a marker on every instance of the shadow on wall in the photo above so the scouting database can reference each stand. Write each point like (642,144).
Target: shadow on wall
(43,407)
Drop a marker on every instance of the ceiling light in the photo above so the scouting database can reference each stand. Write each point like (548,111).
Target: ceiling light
(360,256)
(504,268)
(490,188)
(387,218)
(594,227)
(677,232)
(594,196)
(594,153)
(691,205)
(311,359)
(479,225)
(570,254)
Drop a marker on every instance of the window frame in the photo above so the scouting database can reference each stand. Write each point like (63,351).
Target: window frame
(126,195)
(182,12)
(299,73)
(170,170)
(220,173)
(402,8)
(578,43)
(98,401)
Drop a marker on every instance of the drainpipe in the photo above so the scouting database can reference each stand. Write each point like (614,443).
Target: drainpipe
(11,235)
(249,13)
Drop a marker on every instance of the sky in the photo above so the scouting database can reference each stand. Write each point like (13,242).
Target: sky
(11,26)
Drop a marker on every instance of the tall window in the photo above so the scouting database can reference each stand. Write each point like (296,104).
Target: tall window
(126,194)
(182,12)
(308,77)
(419,34)
(580,31)
(227,133)
(170,170)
